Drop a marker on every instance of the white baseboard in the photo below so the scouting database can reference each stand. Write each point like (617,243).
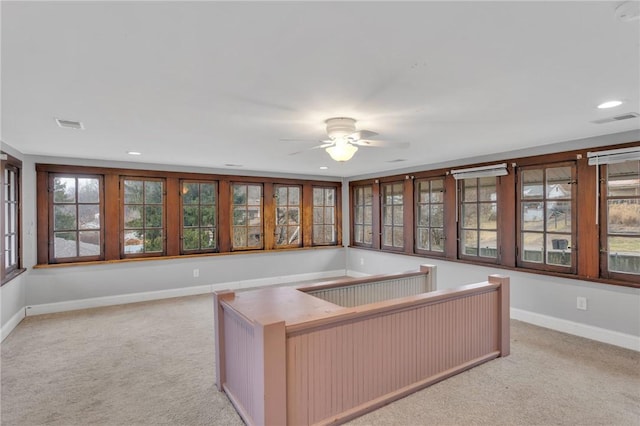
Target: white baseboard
(611,337)
(95,302)
(12,323)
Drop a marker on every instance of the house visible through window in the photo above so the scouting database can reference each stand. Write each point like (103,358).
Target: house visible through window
(546,216)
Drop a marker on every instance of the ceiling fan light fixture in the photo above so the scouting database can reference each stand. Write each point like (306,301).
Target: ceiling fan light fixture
(342,152)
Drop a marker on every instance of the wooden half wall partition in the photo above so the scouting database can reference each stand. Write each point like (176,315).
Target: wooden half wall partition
(285,357)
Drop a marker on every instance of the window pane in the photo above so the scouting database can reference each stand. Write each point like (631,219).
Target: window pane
(437,239)
(398,215)
(624,254)
(437,191)
(207,216)
(470,190)
(423,215)
(368,215)
(191,239)
(208,238)
(469,216)
(558,182)
(623,179)
(190,193)
(239,194)
(64,190)
(329,215)
(294,195)
(488,244)
(239,236)
(533,216)
(152,192)
(532,184)
(254,194)
(293,235)
(64,217)
(133,191)
(133,242)
(358,233)
(624,216)
(330,197)
(254,239)
(470,243)
(533,247)
(132,217)
(488,216)
(189,216)
(358,216)
(88,190)
(153,216)
(89,243)
(368,235)
(317,215)
(437,215)
(398,236)
(65,244)
(487,189)
(281,196)
(207,193)
(318,196)
(559,249)
(387,236)
(153,240)
(89,216)
(422,238)
(559,216)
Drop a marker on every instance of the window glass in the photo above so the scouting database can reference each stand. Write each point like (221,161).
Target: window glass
(10,225)
(546,216)
(478,218)
(363,215)
(393,215)
(143,213)
(288,209)
(77,217)
(199,220)
(430,215)
(247,216)
(324,216)
(623,217)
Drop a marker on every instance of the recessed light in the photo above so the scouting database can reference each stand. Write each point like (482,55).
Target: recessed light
(609,104)
(134,153)
(324,168)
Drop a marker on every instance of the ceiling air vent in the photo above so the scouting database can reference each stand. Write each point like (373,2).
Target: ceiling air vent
(625,116)
(68,124)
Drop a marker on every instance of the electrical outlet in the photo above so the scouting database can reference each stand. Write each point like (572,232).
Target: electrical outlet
(581,303)
(196,273)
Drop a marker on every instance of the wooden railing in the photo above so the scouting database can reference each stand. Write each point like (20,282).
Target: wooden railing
(338,363)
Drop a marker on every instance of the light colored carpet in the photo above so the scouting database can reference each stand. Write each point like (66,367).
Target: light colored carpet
(153,364)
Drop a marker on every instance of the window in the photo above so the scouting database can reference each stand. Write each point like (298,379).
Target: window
(478,218)
(324,216)
(76,231)
(11,225)
(363,215)
(199,220)
(546,217)
(143,217)
(430,215)
(247,216)
(393,215)
(621,245)
(287,206)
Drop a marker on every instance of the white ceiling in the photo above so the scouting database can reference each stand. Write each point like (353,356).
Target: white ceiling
(215,83)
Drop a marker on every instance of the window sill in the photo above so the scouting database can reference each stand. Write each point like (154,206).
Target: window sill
(184,256)
(11,275)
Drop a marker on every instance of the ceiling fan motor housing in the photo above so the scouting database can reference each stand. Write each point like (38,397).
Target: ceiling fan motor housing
(340,127)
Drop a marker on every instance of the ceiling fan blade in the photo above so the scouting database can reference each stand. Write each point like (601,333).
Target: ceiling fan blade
(324,145)
(363,134)
(381,144)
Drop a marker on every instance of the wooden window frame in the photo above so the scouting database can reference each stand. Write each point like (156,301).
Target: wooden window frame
(287,206)
(383,205)
(604,231)
(113,210)
(336,213)
(215,226)
(163,226)
(51,192)
(13,164)
(416,185)
(571,269)
(354,199)
(262,218)
(478,229)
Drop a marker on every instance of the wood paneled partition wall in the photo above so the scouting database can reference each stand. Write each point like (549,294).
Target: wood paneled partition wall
(286,357)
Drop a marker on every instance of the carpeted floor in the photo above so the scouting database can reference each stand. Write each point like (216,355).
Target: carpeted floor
(153,364)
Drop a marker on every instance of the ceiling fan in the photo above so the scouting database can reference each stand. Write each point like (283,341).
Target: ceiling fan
(344,139)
